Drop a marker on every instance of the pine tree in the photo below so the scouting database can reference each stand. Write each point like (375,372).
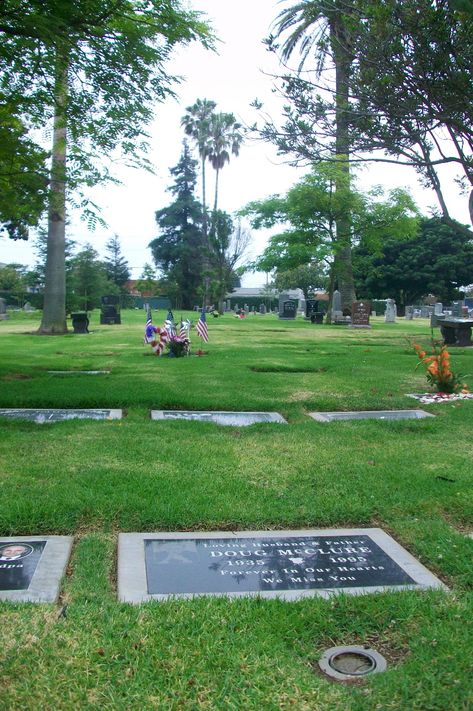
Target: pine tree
(116,266)
(179,251)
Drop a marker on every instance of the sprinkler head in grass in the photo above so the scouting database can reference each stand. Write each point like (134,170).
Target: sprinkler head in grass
(348,663)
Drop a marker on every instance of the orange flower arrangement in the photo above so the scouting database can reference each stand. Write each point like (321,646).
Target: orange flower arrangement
(439,373)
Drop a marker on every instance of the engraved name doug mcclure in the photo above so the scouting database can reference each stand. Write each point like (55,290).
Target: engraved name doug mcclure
(259,564)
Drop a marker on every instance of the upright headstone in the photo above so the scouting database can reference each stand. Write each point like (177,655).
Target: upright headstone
(3,309)
(337,313)
(360,314)
(390,312)
(409,313)
(246,307)
(262,309)
(465,312)
(110,310)
(457,309)
(289,309)
(311,306)
(80,322)
(438,315)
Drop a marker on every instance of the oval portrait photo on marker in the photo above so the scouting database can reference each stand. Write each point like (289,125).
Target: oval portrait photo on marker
(14,551)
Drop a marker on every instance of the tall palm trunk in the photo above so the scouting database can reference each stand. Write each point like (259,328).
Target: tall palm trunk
(217,172)
(204,203)
(205,231)
(342,60)
(54,309)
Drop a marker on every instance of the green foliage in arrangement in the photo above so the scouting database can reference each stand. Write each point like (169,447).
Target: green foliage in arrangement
(94,479)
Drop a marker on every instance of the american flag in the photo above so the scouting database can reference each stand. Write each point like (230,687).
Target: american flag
(201,327)
(184,329)
(169,324)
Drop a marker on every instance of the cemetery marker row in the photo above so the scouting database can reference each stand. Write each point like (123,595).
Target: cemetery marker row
(283,564)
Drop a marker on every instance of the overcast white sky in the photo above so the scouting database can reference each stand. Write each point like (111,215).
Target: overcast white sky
(233,77)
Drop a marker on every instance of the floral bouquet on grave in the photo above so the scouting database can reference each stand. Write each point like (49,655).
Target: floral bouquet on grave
(438,369)
(178,346)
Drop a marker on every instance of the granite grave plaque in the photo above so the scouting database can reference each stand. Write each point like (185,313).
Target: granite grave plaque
(286,564)
(78,372)
(31,567)
(360,314)
(238,419)
(289,309)
(42,415)
(370,415)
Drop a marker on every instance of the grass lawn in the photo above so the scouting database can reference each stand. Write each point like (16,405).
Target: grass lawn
(92,480)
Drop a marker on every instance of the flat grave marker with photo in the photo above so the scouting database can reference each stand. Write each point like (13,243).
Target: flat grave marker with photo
(284,564)
(31,567)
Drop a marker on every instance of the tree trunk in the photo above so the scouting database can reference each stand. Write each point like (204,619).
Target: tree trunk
(216,190)
(205,230)
(54,309)
(204,204)
(340,41)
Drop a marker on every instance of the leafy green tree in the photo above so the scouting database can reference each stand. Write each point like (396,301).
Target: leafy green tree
(437,260)
(116,266)
(414,87)
(147,283)
(308,277)
(88,280)
(11,277)
(13,283)
(95,69)
(180,251)
(308,214)
(37,275)
(23,176)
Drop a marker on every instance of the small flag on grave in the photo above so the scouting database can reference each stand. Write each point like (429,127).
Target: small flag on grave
(184,329)
(201,327)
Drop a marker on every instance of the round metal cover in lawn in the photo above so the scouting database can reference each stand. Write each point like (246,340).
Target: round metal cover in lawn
(352,662)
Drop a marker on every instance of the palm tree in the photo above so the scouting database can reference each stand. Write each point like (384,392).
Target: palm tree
(225,137)
(315,25)
(196,123)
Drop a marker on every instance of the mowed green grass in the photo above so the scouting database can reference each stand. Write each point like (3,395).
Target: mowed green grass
(94,479)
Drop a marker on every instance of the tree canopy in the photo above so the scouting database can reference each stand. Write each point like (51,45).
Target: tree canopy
(437,260)
(308,215)
(94,70)
(410,87)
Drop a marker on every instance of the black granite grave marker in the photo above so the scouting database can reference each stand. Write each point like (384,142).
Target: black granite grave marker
(18,561)
(222,565)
